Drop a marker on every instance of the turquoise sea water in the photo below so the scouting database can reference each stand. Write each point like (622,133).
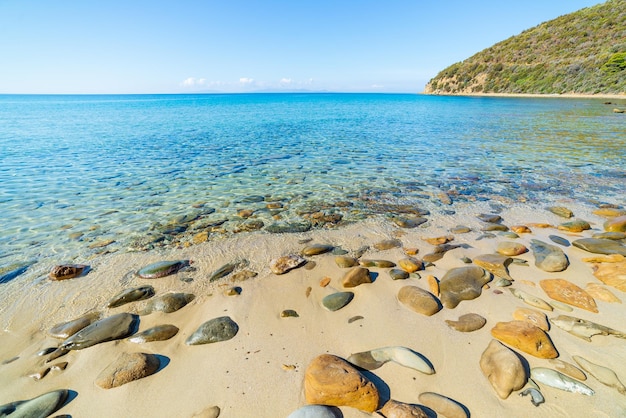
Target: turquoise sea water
(79,171)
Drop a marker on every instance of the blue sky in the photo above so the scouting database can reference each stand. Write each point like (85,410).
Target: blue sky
(136,46)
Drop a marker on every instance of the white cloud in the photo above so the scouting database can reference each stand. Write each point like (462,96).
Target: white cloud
(377,86)
(246,80)
(192,81)
(286,80)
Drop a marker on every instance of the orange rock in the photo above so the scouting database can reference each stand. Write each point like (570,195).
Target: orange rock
(567,292)
(526,337)
(411,251)
(410,265)
(330,380)
(433,285)
(617,224)
(609,212)
(598,291)
(609,258)
(540,225)
(325,282)
(521,229)
(611,274)
(439,240)
(395,409)
(528,283)
(533,317)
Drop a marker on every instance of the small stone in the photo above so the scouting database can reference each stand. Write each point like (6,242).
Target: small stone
(356,276)
(316,249)
(398,274)
(131,295)
(616,236)
(355,318)
(508,234)
(69,328)
(168,303)
(410,265)
(200,237)
(462,283)
(510,248)
(233,291)
(346,262)
(245,213)
(439,240)
(600,246)
(617,224)
(224,271)
(127,368)
(388,244)
(548,257)
(533,317)
(609,212)
(286,263)
(243,275)
(567,292)
(330,380)
(443,405)
(162,269)
(561,211)
(316,411)
(559,240)
(489,218)
(325,282)
(494,227)
(289,313)
(433,285)
(158,333)
(67,271)
(377,263)
(210,412)
(521,229)
(526,337)
(111,328)
(495,264)
(395,409)
(215,330)
(467,323)
(460,229)
(575,226)
(419,300)
(409,222)
(503,368)
(336,301)
(411,251)
(101,244)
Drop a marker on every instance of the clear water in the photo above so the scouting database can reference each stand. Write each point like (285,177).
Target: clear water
(78,170)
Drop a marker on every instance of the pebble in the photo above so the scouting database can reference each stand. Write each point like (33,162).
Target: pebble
(224,271)
(525,337)
(67,271)
(443,405)
(356,276)
(325,281)
(69,328)
(355,318)
(439,240)
(158,333)
(388,244)
(317,249)
(346,262)
(600,235)
(377,263)
(214,330)
(460,229)
(408,223)
(210,412)
(567,292)
(111,328)
(330,380)
(419,300)
(494,227)
(574,226)
(559,240)
(462,283)
(168,303)
(286,263)
(336,301)
(40,407)
(127,368)
(398,274)
(560,381)
(433,285)
(609,212)
(548,257)
(243,275)
(600,246)
(521,229)
(509,248)
(410,264)
(395,409)
(467,323)
(503,368)
(489,218)
(162,269)
(561,211)
(289,313)
(131,295)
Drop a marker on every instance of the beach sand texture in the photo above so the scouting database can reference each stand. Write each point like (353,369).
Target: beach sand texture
(260,372)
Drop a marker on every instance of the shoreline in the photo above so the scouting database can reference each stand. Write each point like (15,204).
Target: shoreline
(620,96)
(261,370)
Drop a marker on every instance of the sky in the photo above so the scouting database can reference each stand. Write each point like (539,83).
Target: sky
(185,46)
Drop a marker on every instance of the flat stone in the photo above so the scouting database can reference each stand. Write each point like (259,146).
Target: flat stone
(330,380)
(67,271)
(317,249)
(460,229)
(40,407)
(503,368)
(509,248)
(521,229)
(213,331)
(603,374)
(489,218)
(409,222)
(532,300)
(575,226)
(398,274)
(616,236)
(567,292)
(168,303)
(128,368)
(600,246)
(410,264)
(559,240)
(210,412)
(395,409)
(157,333)
(467,323)
(377,263)
(526,337)
(568,369)
(533,317)
(495,264)
(316,411)
(419,300)
(338,300)
(443,405)
(548,257)
(462,283)
(131,295)
(617,224)
(356,276)
(388,244)
(345,261)
(69,328)
(609,212)
(162,269)
(611,274)
(111,328)
(224,270)
(494,227)
(599,292)
(286,263)
(561,211)
(439,240)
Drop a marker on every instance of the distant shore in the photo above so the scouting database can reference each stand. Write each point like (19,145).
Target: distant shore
(621,96)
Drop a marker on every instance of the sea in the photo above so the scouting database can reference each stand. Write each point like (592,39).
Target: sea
(86,175)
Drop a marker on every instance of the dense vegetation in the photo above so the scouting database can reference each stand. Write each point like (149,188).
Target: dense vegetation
(581,52)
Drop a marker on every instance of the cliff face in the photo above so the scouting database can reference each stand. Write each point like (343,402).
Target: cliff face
(581,52)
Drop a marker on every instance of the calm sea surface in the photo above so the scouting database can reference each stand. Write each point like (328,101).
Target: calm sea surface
(81,175)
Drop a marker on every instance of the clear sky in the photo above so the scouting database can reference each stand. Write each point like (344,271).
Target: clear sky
(156,46)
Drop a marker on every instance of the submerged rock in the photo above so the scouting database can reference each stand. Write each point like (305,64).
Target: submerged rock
(131,295)
(127,368)
(215,330)
(330,380)
(162,269)
(111,328)
(67,271)
(462,283)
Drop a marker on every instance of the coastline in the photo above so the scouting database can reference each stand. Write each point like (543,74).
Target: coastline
(260,372)
(621,96)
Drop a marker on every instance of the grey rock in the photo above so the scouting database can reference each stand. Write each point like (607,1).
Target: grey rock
(600,246)
(162,269)
(111,328)
(39,407)
(69,328)
(215,330)
(548,257)
(131,295)
(158,333)
(462,283)
(169,302)
(316,411)
(559,240)
(338,300)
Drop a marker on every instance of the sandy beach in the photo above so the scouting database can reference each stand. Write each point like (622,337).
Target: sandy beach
(261,370)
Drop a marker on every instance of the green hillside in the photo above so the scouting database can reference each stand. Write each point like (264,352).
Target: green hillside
(581,52)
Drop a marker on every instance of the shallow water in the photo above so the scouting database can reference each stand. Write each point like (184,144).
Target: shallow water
(76,171)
